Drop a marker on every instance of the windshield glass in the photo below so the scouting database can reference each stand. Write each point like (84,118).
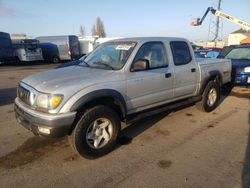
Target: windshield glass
(239,53)
(111,55)
(212,54)
(31,44)
(26,44)
(200,54)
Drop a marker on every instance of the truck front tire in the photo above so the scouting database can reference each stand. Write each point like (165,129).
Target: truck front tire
(210,97)
(96,132)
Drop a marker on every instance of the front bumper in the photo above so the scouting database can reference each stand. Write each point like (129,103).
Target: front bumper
(49,125)
(241,79)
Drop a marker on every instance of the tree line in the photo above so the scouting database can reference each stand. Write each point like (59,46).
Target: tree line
(97,29)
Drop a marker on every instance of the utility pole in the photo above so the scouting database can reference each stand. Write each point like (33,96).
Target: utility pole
(217,22)
(215,26)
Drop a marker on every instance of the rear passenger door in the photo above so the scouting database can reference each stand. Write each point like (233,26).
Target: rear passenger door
(186,70)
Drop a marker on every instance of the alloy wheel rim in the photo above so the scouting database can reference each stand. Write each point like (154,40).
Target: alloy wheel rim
(99,133)
(212,97)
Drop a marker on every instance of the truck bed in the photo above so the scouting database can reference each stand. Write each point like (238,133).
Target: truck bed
(218,64)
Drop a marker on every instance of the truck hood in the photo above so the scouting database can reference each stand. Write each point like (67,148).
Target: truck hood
(73,79)
(240,63)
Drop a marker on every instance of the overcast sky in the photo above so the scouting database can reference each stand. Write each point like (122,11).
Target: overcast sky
(128,18)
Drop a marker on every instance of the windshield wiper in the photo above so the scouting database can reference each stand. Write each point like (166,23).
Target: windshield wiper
(85,63)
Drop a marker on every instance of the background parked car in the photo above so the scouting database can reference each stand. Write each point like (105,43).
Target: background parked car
(67,46)
(50,52)
(200,53)
(240,56)
(212,54)
(26,50)
(206,53)
(6,49)
(224,51)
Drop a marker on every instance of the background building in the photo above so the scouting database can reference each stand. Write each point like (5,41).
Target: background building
(235,37)
(210,44)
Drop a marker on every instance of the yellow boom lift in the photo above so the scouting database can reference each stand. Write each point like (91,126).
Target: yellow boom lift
(243,24)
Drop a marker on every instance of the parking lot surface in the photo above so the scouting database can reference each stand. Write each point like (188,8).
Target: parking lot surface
(181,148)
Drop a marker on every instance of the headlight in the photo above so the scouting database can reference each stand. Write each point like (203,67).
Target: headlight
(247,69)
(48,101)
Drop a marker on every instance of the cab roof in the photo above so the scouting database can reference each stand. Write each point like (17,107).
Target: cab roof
(148,39)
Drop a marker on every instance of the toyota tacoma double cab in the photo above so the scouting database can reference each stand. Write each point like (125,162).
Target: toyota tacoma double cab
(120,81)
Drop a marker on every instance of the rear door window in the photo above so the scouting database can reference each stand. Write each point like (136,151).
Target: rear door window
(181,53)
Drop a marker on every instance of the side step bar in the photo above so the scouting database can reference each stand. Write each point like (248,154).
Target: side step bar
(171,106)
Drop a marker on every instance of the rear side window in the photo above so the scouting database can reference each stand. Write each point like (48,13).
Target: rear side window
(181,53)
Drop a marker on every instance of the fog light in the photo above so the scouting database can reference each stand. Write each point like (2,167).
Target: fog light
(44,130)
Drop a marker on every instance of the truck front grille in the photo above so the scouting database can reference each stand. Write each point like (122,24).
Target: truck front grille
(23,94)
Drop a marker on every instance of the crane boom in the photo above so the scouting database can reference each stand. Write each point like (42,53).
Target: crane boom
(197,21)
(245,25)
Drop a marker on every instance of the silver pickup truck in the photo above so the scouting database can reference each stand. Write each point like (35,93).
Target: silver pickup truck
(120,81)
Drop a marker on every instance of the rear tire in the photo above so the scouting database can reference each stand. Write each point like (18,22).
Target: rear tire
(18,62)
(96,132)
(55,60)
(210,97)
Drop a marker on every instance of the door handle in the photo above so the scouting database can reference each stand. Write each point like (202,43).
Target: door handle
(168,75)
(193,70)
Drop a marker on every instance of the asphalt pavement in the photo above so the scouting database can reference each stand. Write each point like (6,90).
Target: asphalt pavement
(180,148)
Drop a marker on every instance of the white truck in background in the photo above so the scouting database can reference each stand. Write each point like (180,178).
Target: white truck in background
(27,50)
(88,43)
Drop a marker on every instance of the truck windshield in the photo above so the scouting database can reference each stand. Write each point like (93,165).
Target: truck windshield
(31,46)
(111,55)
(239,53)
(26,44)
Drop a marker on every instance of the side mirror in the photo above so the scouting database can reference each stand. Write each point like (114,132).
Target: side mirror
(140,65)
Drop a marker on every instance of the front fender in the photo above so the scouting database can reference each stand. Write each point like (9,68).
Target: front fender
(97,94)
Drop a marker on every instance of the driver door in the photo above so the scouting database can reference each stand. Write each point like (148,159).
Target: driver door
(153,86)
